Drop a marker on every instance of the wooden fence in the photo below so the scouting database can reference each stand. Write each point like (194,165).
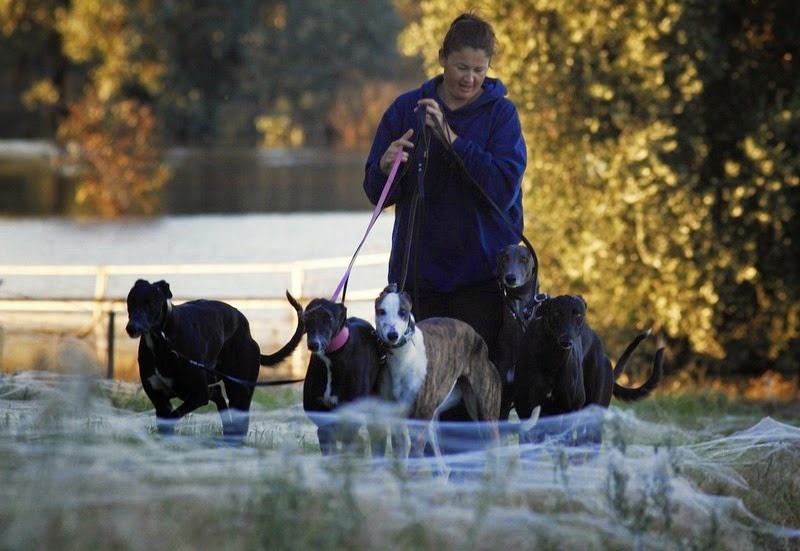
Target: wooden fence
(104,304)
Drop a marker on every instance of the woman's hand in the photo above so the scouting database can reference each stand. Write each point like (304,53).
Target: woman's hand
(391,152)
(435,119)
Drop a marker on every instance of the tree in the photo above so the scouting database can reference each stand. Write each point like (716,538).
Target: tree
(663,162)
(303,53)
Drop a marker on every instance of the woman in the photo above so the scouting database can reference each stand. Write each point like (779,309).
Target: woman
(449,265)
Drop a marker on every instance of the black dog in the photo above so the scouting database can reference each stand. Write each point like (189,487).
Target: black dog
(186,351)
(563,367)
(344,366)
(516,272)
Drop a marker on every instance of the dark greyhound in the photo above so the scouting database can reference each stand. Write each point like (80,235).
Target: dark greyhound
(516,274)
(344,367)
(563,367)
(187,351)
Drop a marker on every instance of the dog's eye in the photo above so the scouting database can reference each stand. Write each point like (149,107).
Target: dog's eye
(524,260)
(403,312)
(380,312)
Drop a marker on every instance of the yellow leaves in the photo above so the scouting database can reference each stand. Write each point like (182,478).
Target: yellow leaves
(732,168)
(103,34)
(113,147)
(41,92)
(601,91)
(279,131)
(689,82)
(746,273)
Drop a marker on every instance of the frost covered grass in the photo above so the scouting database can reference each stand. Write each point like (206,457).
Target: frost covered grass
(83,468)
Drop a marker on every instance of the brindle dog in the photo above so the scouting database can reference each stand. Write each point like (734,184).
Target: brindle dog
(563,366)
(431,365)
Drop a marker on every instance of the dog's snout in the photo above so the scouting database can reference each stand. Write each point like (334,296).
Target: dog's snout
(134,329)
(511,279)
(393,336)
(315,345)
(565,342)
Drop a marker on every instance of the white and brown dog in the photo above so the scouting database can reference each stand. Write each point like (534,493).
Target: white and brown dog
(430,366)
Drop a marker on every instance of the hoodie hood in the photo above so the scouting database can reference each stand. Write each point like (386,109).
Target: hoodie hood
(493,89)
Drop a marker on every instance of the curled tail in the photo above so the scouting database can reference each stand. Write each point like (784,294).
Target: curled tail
(620,367)
(287,349)
(633,394)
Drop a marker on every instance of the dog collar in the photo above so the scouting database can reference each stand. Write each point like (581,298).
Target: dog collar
(339,340)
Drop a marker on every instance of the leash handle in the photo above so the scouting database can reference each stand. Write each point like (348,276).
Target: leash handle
(342,287)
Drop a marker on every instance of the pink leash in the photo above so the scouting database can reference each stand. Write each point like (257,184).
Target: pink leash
(378,208)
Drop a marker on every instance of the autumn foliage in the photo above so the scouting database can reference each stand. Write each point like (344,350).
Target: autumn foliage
(113,150)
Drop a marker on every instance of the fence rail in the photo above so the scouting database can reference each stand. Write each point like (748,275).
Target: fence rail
(103,305)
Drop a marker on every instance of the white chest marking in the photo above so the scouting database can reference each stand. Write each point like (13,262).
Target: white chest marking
(408,366)
(328,399)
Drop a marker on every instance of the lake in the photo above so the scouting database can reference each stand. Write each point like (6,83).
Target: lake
(204,180)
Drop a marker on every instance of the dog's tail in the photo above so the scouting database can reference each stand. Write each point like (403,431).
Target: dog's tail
(633,394)
(620,367)
(270,360)
(524,426)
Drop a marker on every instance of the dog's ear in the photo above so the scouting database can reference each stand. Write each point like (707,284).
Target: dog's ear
(340,310)
(163,286)
(583,300)
(412,324)
(405,296)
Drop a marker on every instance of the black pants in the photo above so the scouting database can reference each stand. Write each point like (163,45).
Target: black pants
(480,305)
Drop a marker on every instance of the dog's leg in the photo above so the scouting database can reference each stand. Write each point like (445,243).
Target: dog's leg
(347,434)
(165,419)
(239,398)
(327,440)
(400,439)
(377,438)
(222,406)
(477,412)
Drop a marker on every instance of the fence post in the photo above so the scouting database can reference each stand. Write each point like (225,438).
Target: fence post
(110,345)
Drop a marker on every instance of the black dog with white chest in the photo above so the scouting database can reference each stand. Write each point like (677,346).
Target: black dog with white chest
(188,351)
(344,366)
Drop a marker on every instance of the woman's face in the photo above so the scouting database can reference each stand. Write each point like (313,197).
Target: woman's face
(464,72)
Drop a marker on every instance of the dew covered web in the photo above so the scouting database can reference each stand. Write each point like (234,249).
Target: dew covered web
(80,471)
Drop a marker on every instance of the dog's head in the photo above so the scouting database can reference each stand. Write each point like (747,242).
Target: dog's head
(564,317)
(394,322)
(514,266)
(323,320)
(149,306)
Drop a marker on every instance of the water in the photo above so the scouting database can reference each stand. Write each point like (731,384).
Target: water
(197,239)
(207,180)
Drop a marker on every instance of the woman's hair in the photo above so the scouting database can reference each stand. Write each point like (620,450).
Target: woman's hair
(469,31)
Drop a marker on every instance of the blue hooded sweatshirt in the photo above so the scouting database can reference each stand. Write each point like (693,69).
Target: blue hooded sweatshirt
(459,232)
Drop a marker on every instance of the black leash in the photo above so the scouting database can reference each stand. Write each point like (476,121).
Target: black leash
(449,145)
(417,201)
(225,376)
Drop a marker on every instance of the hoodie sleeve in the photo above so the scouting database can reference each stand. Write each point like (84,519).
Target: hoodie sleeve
(499,166)
(389,129)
